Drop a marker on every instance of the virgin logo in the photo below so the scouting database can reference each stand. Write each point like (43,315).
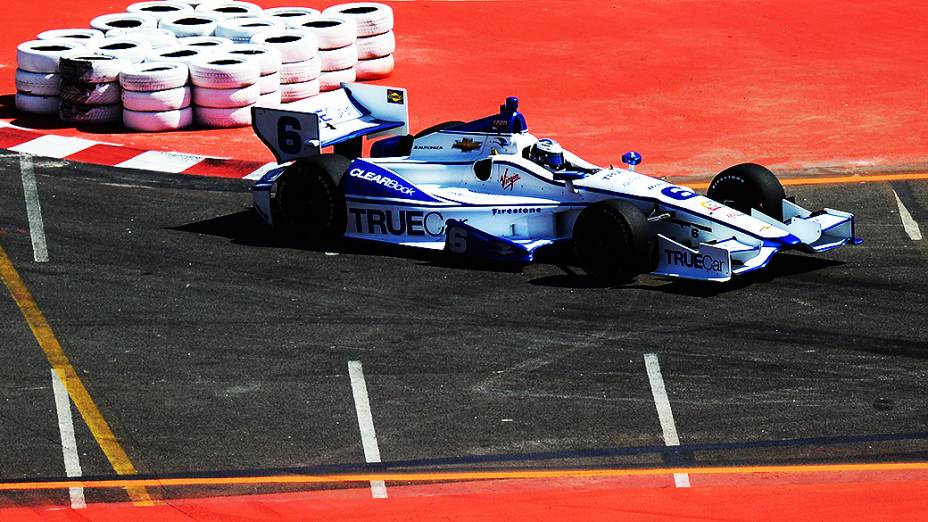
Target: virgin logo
(508,181)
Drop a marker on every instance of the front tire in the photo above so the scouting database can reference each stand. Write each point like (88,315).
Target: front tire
(614,241)
(748,186)
(312,198)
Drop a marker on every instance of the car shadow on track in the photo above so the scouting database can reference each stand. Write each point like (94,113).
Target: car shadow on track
(244,228)
(782,265)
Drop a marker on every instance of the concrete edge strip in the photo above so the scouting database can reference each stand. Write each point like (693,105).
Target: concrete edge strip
(118,156)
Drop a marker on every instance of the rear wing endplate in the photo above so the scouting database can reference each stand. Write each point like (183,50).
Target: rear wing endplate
(303,128)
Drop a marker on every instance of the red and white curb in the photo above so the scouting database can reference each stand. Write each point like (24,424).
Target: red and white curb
(88,151)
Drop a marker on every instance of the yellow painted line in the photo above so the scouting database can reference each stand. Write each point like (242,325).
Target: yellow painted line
(831,180)
(44,335)
(453,476)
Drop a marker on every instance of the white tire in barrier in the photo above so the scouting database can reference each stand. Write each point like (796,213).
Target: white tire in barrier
(374,69)
(294,45)
(222,118)
(331,80)
(269,83)
(91,67)
(338,59)
(91,114)
(291,16)
(230,9)
(190,24)
(91,93)
(41,56)
(224,71)
(240,30)
(371,18)
(132,49)
(292,92)
(213,44)
(157,101)
(376,46)
(226,98)
(158,9)
(178,54)
(40,84)
(154,76)
(158,121)
(123,21)
(37,104)
(271,99)
(268,57)
(301,71)
(158,38)
(332,32)
(83,36)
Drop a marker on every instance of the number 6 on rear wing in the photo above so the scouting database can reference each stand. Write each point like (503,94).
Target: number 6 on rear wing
(337,117)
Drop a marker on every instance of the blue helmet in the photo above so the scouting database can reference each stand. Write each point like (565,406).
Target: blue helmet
(548,153)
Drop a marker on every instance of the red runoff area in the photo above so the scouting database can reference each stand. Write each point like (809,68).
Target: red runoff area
(693,86)
(755,498)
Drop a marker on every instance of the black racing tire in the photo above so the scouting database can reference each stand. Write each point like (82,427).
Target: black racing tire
(748,186)
(312,198)
(439,127)
(614,241)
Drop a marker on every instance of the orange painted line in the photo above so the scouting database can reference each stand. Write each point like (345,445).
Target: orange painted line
(453,476)
(833,180)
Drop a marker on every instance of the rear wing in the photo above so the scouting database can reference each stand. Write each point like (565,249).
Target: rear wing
(303,128)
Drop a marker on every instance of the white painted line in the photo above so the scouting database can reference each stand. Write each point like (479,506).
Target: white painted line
(72,463)
(161,161)
(366,423)
(662,403)
(33,209)
(911,227)
(53,146)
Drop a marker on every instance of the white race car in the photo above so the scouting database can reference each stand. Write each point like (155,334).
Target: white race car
(488,188)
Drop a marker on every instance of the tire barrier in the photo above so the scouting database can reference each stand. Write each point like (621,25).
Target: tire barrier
(123,21)
(159,9)
(81,36)
(190,24)
(165,64)
(131,49)
(158,38)
(90,90)
(156,97)
(211,44)
(242,29)
(300,64)
(376,41)
(269,66)
(225,88)
(291,16)
(231,9)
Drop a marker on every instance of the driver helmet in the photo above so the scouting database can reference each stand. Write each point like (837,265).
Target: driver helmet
(548,153)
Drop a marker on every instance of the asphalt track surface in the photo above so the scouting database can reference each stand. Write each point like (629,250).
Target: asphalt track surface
(214,348)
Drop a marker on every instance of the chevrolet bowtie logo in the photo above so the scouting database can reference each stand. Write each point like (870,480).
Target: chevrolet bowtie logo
(467,145)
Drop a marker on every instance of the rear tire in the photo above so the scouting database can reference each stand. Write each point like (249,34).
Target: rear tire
(748,186)
(614,241)
(312,198)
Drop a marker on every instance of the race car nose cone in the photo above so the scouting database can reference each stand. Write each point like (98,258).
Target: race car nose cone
(790,240)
